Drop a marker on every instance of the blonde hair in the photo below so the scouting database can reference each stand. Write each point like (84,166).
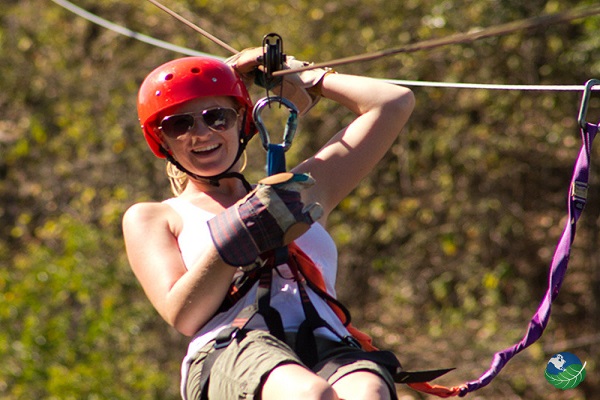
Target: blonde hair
(177,178)
(180,179)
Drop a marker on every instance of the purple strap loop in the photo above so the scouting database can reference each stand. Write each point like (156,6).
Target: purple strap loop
(558,267)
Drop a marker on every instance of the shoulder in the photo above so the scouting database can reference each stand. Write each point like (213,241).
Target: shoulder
(147,215)
(145,211)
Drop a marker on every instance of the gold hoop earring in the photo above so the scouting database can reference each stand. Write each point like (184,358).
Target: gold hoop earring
(245,163)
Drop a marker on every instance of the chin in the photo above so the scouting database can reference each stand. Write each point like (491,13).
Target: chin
(211,170)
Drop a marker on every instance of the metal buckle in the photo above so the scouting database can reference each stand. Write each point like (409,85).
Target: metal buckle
(223,340)
(579,191)
(351,341)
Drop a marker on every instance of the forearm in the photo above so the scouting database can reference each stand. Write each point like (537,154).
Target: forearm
(382,111)
(193,300)
(361,95)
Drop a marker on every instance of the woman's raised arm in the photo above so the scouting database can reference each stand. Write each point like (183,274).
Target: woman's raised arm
(382,111)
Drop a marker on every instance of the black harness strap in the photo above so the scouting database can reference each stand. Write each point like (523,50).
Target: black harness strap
(384,358)
(263,301)
(237,329)
(306,344)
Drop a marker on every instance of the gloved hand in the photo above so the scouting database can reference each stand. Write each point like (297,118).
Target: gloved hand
(246,62)
(302,88)
(269,217)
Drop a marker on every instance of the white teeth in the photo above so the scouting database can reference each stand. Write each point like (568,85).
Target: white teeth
(207,148)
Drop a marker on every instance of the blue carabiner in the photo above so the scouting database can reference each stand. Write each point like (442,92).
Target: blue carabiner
(585,100)
(276,152)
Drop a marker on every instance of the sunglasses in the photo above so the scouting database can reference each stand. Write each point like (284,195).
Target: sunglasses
(216,119)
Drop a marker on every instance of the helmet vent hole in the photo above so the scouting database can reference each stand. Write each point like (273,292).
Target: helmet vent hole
(195,70)
(168,77)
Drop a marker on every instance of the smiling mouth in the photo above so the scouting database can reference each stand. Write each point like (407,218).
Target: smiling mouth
(206,149)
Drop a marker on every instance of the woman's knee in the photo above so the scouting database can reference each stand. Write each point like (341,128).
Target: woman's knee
(362,385)
(292,381)
(317,389)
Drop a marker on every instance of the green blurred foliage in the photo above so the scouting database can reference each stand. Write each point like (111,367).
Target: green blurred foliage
(444,248)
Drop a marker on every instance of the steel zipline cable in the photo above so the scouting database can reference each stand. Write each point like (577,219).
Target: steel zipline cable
(128,32)
(460,38)
(190,52)
(195,27)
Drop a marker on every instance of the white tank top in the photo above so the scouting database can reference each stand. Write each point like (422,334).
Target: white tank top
(316,243)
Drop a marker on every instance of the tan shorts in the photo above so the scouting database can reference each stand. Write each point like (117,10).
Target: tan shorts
(242,368)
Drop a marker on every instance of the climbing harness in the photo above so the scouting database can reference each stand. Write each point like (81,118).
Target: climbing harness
(305,341)
(306,275)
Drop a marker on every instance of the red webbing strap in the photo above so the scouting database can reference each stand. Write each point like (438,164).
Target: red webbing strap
(311,273)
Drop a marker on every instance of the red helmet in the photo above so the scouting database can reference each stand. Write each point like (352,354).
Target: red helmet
(186,79)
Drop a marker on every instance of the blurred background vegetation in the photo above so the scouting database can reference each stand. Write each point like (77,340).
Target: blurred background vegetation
(444,249)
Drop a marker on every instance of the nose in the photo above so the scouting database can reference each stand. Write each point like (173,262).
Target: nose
(199,128)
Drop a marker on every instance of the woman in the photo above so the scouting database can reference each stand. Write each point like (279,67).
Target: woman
(196,112)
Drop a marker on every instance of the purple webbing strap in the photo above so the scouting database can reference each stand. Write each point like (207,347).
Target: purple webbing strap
(558,268)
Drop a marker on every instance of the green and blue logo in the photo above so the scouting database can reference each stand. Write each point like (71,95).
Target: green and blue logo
(565,371)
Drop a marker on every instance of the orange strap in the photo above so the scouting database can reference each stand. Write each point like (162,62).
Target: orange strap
(436,390)
(310,272)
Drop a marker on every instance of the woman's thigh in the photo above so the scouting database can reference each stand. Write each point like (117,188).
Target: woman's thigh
(242,368)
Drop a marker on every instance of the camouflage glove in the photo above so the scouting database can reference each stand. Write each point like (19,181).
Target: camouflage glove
(269,217)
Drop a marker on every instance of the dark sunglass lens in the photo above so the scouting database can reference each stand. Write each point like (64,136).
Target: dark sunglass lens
(177,125)
(219,119)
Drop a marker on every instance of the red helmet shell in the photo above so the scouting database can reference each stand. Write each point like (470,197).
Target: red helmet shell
(185,79)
